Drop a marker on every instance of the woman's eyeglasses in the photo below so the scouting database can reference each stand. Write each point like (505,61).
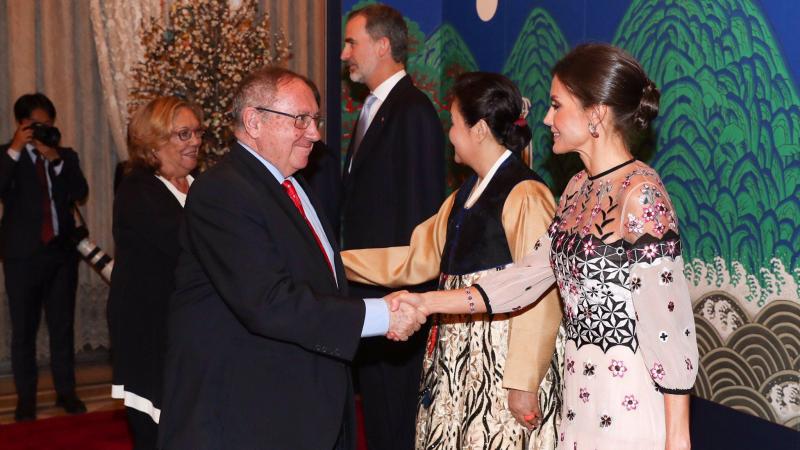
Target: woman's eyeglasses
(185,134)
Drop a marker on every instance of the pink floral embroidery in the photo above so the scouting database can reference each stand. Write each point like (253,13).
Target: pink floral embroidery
(648,214)
(630,403)
(660,208)
(605,421)
(596,209)
(634,225)
(659,228)
(650,250)
(584,395)
(617,368)
(571,243)
(672,247)
(657,372)
(589,246)
(553,226)
(586,229)
(570,365)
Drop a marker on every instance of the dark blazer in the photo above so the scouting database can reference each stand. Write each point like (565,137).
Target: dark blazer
(146,221)
(398,175)
(20,233)
(259,333)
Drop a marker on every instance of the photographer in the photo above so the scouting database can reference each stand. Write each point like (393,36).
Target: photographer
(39,183)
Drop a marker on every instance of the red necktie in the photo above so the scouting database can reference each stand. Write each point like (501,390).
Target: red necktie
(292,193)
(47,213)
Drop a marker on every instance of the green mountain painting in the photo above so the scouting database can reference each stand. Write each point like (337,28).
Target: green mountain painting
(728,133)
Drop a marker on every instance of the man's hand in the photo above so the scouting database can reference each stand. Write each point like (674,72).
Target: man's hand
(524,406)
(22,136)
(48,153)
(396,299)
(404,316)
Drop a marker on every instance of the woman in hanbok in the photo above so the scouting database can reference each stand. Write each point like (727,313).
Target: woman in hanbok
(488,380)
(614,250)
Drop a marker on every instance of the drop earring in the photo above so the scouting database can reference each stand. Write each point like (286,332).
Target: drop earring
(593,130)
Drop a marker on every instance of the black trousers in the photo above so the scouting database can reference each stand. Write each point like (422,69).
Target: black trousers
(389,375)
(143,430)
(47,280)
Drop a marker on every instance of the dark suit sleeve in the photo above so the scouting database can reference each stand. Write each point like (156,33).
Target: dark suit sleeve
(70,181)
(422,157)
(7,167)
(234,236)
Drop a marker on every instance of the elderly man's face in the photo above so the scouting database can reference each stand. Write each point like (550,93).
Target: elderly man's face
(284,145)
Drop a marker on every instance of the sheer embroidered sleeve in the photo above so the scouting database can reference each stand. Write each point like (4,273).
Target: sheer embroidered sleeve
(664,319)
(415,263)
(522,284)
(532,333)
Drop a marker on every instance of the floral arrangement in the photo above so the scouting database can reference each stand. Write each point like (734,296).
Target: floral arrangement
(201,52)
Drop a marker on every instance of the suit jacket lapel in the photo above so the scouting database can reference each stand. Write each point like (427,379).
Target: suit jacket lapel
(254,167)
(338,266)
(373,133)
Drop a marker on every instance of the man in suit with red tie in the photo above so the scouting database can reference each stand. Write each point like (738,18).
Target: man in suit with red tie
(39,183)
(394,179)
(261,326)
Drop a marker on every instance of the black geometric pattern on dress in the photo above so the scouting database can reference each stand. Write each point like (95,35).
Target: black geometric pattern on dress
(586,268)
(604,324)
(649,248)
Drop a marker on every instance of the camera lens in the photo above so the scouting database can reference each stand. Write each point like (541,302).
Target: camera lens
(47,135)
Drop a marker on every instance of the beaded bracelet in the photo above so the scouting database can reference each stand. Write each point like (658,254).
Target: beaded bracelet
(471,302)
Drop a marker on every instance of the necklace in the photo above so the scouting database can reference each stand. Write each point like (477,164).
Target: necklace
(617,167)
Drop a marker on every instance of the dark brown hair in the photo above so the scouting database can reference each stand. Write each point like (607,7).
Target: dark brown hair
(385,21)
(599,73)
(495,99)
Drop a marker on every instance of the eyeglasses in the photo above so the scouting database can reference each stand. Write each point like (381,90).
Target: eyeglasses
(301,121)
(185,134)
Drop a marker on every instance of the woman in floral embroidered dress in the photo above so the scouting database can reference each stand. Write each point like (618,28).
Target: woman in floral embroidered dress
(614,251)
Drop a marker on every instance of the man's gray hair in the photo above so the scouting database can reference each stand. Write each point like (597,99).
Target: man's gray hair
(259,88)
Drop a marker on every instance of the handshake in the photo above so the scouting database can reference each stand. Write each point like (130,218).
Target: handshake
(407,313)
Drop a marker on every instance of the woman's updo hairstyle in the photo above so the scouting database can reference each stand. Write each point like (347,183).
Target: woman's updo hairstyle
(495,99)
(599,73)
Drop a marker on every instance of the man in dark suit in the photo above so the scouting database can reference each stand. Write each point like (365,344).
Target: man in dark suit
(394,178)
(261,327)
(39,184)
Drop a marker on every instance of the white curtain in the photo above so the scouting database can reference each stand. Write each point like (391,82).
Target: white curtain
(49,47)
(117,25)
